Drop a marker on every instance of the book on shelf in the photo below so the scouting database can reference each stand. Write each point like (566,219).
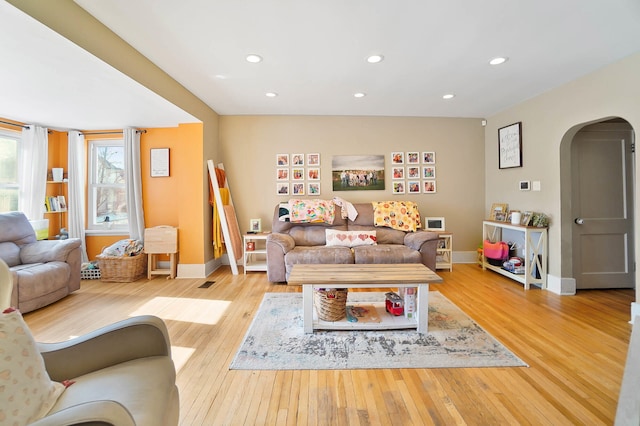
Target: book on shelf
(55,203)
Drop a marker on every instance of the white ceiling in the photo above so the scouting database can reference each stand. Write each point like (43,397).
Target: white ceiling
(314,57)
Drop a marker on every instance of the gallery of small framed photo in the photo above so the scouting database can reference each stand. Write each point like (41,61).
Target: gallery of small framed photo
(282,160)
(413,172)
(297,159)
(428,172)
(413,157)
(282,188)
(313,188)
(397,158)
(428,157)
(313,173)
(397,173)
(297,188)
(429,186)
(313,159)
(282,174)
(414,186)
(398,187)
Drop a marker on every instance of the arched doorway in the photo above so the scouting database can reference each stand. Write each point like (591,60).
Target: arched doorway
(597,204)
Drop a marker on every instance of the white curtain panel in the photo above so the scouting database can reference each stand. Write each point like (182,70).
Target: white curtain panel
(33,171)
(134,183)
(76,202)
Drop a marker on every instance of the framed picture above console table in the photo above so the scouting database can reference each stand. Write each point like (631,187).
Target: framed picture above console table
(533,251)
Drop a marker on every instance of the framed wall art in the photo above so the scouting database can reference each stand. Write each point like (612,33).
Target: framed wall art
(510,146)
(429,186)
(357,172)
(429,157)
(159,162)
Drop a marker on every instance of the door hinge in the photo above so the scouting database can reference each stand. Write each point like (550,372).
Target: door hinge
(633,147)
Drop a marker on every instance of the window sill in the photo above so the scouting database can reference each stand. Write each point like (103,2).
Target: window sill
(106,232)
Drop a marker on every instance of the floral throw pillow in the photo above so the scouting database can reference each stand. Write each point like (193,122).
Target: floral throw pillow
(26,391)
(350,238)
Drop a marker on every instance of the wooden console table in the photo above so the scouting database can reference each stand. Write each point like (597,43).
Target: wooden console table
(312,276)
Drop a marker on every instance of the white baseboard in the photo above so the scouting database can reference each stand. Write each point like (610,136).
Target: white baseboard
(561,286)
(635,311)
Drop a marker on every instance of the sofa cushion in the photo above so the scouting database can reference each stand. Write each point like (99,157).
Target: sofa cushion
(144,386)
(26,391)
(386,253)
(316,255)
(10,253)
(350,238)
(14,226)
(40,279)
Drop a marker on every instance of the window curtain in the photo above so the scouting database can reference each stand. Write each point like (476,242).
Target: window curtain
(76,203)
(135,210)
(33,171)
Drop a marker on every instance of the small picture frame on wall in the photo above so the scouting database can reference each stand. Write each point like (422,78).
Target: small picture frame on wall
(313,173)
(255,226)
(298,188)
(398,173)
(398,187)
(429,186)
(429,172)
(297,173)
(297,159)
(282,174)
(414,186)
(313,159)
(159,162)
(413,172)
(313,188)
(282,188)
(397,158)
(282,160)
(413,157)
(428,157)
(525,185)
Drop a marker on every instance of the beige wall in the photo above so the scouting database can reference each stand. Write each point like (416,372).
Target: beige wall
(610,92)
(249,144)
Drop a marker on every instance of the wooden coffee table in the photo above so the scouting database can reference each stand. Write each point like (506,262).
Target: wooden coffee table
(365,276)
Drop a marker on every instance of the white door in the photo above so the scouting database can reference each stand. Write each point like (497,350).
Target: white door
(602,207)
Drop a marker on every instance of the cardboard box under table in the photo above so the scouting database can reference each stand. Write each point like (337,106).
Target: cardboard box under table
(161,240)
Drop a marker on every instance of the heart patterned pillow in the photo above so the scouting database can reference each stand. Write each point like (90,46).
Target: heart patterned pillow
(350,238)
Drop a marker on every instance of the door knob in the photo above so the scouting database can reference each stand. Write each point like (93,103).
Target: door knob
(579,221)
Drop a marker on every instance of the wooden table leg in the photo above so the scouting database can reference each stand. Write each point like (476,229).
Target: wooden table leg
(307,308)
(422,308)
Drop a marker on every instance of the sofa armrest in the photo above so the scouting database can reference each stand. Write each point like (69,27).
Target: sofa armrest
(89,413)
(133,338)
(48,250)
(284,241)
(415,240)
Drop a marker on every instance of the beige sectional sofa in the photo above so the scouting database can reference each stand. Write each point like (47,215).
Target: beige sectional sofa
(43,271)
(292,243)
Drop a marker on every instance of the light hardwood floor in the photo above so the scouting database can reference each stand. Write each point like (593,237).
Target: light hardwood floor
(575,346)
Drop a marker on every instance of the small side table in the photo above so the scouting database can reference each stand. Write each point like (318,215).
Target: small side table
(255,252)
(444,252)
(161,240)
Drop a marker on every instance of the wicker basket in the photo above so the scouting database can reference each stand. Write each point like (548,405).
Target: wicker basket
(122,269)
(330,303)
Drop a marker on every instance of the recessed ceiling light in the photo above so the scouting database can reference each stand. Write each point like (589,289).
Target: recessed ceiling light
(448,96)
(374,59)
(220,76)
(271,94)
(359,95)
(497,61)
(253,58)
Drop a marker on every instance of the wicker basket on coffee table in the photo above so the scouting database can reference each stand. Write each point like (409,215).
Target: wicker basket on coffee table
(330,303)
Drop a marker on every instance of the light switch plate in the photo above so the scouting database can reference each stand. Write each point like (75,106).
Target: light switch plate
(535,185)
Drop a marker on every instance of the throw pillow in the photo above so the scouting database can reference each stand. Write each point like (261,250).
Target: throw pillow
(26,391)
(283,212)
(350,238)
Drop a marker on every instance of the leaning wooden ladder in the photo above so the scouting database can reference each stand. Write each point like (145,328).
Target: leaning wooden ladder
(226,222)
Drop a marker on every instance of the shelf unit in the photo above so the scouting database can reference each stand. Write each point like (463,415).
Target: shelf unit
(444,252)
(534,252)
(256,259)
(57,219)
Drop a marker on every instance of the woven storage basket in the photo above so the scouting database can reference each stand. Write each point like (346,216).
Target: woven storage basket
(331,304)
(122,269)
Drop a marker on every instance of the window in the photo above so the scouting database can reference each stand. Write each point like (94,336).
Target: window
(10,151)
(107,198)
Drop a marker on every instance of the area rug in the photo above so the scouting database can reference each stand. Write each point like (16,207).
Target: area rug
(276,341)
